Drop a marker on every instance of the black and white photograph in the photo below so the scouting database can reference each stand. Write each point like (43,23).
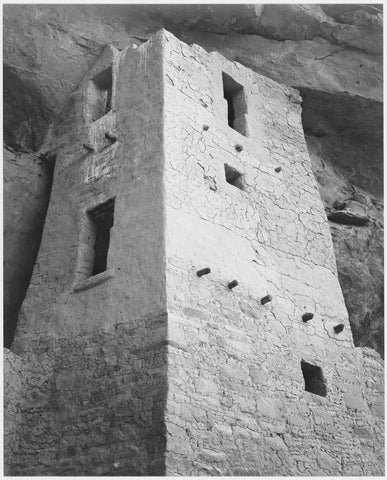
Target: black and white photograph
(193,276)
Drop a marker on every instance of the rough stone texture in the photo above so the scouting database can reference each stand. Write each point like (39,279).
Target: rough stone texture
(93,403)
(315,64)
(147,368)
(95,399)
(14,382)
(27,185)
(346,156)
(49,48)
(332,53)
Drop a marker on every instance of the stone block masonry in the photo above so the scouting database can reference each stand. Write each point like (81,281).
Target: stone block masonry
(149,368)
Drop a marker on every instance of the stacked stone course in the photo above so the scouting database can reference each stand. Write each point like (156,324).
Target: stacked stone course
(148,368)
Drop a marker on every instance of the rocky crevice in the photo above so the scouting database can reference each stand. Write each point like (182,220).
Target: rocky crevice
(27,188)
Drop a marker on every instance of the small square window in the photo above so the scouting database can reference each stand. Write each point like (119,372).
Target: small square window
(314,379)
(233,177)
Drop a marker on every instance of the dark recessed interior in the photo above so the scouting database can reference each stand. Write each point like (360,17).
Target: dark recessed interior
(102,218)
(233,177)
(100,94)
(236,105)
(314,379)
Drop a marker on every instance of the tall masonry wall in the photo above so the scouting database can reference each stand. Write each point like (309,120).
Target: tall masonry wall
(236,401)
(146,368)
(95,346)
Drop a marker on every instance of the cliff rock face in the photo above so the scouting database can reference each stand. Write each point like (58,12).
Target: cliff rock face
(27,185)
(332,54)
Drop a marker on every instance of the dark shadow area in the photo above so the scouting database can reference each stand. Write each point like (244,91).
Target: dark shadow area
(233,177)
(344,136)
(25,115)
(102,218)
(100,94)
(27,189)
(314,379)
(233,92)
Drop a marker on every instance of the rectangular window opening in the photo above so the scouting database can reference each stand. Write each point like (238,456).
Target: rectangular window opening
(233,177)
(234,94)
(314,379)
(102,218)
(100,94)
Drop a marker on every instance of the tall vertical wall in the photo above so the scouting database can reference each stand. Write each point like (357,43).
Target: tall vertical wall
(149,369)
(93,400)
(236,400)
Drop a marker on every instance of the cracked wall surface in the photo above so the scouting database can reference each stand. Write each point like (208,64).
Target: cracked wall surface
(147,368)
(331,53)
(236,402)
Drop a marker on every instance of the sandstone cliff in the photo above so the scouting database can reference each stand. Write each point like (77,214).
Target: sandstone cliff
(331,53)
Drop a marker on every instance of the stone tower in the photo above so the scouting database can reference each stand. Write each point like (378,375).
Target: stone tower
(184,316)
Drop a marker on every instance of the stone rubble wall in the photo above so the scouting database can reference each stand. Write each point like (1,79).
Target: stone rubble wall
(91,404)
(14,380)
(374,376)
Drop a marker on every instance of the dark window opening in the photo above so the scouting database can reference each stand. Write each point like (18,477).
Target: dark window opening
(234,94)
(233,177)
(102,218)
(109,138)
(314,379)
(230,109)
(100,94)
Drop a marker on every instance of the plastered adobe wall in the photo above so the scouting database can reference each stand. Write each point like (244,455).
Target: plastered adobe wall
(95,348)
(236,402)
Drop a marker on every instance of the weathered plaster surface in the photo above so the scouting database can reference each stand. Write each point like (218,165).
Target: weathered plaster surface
(157,371)
(236,401)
